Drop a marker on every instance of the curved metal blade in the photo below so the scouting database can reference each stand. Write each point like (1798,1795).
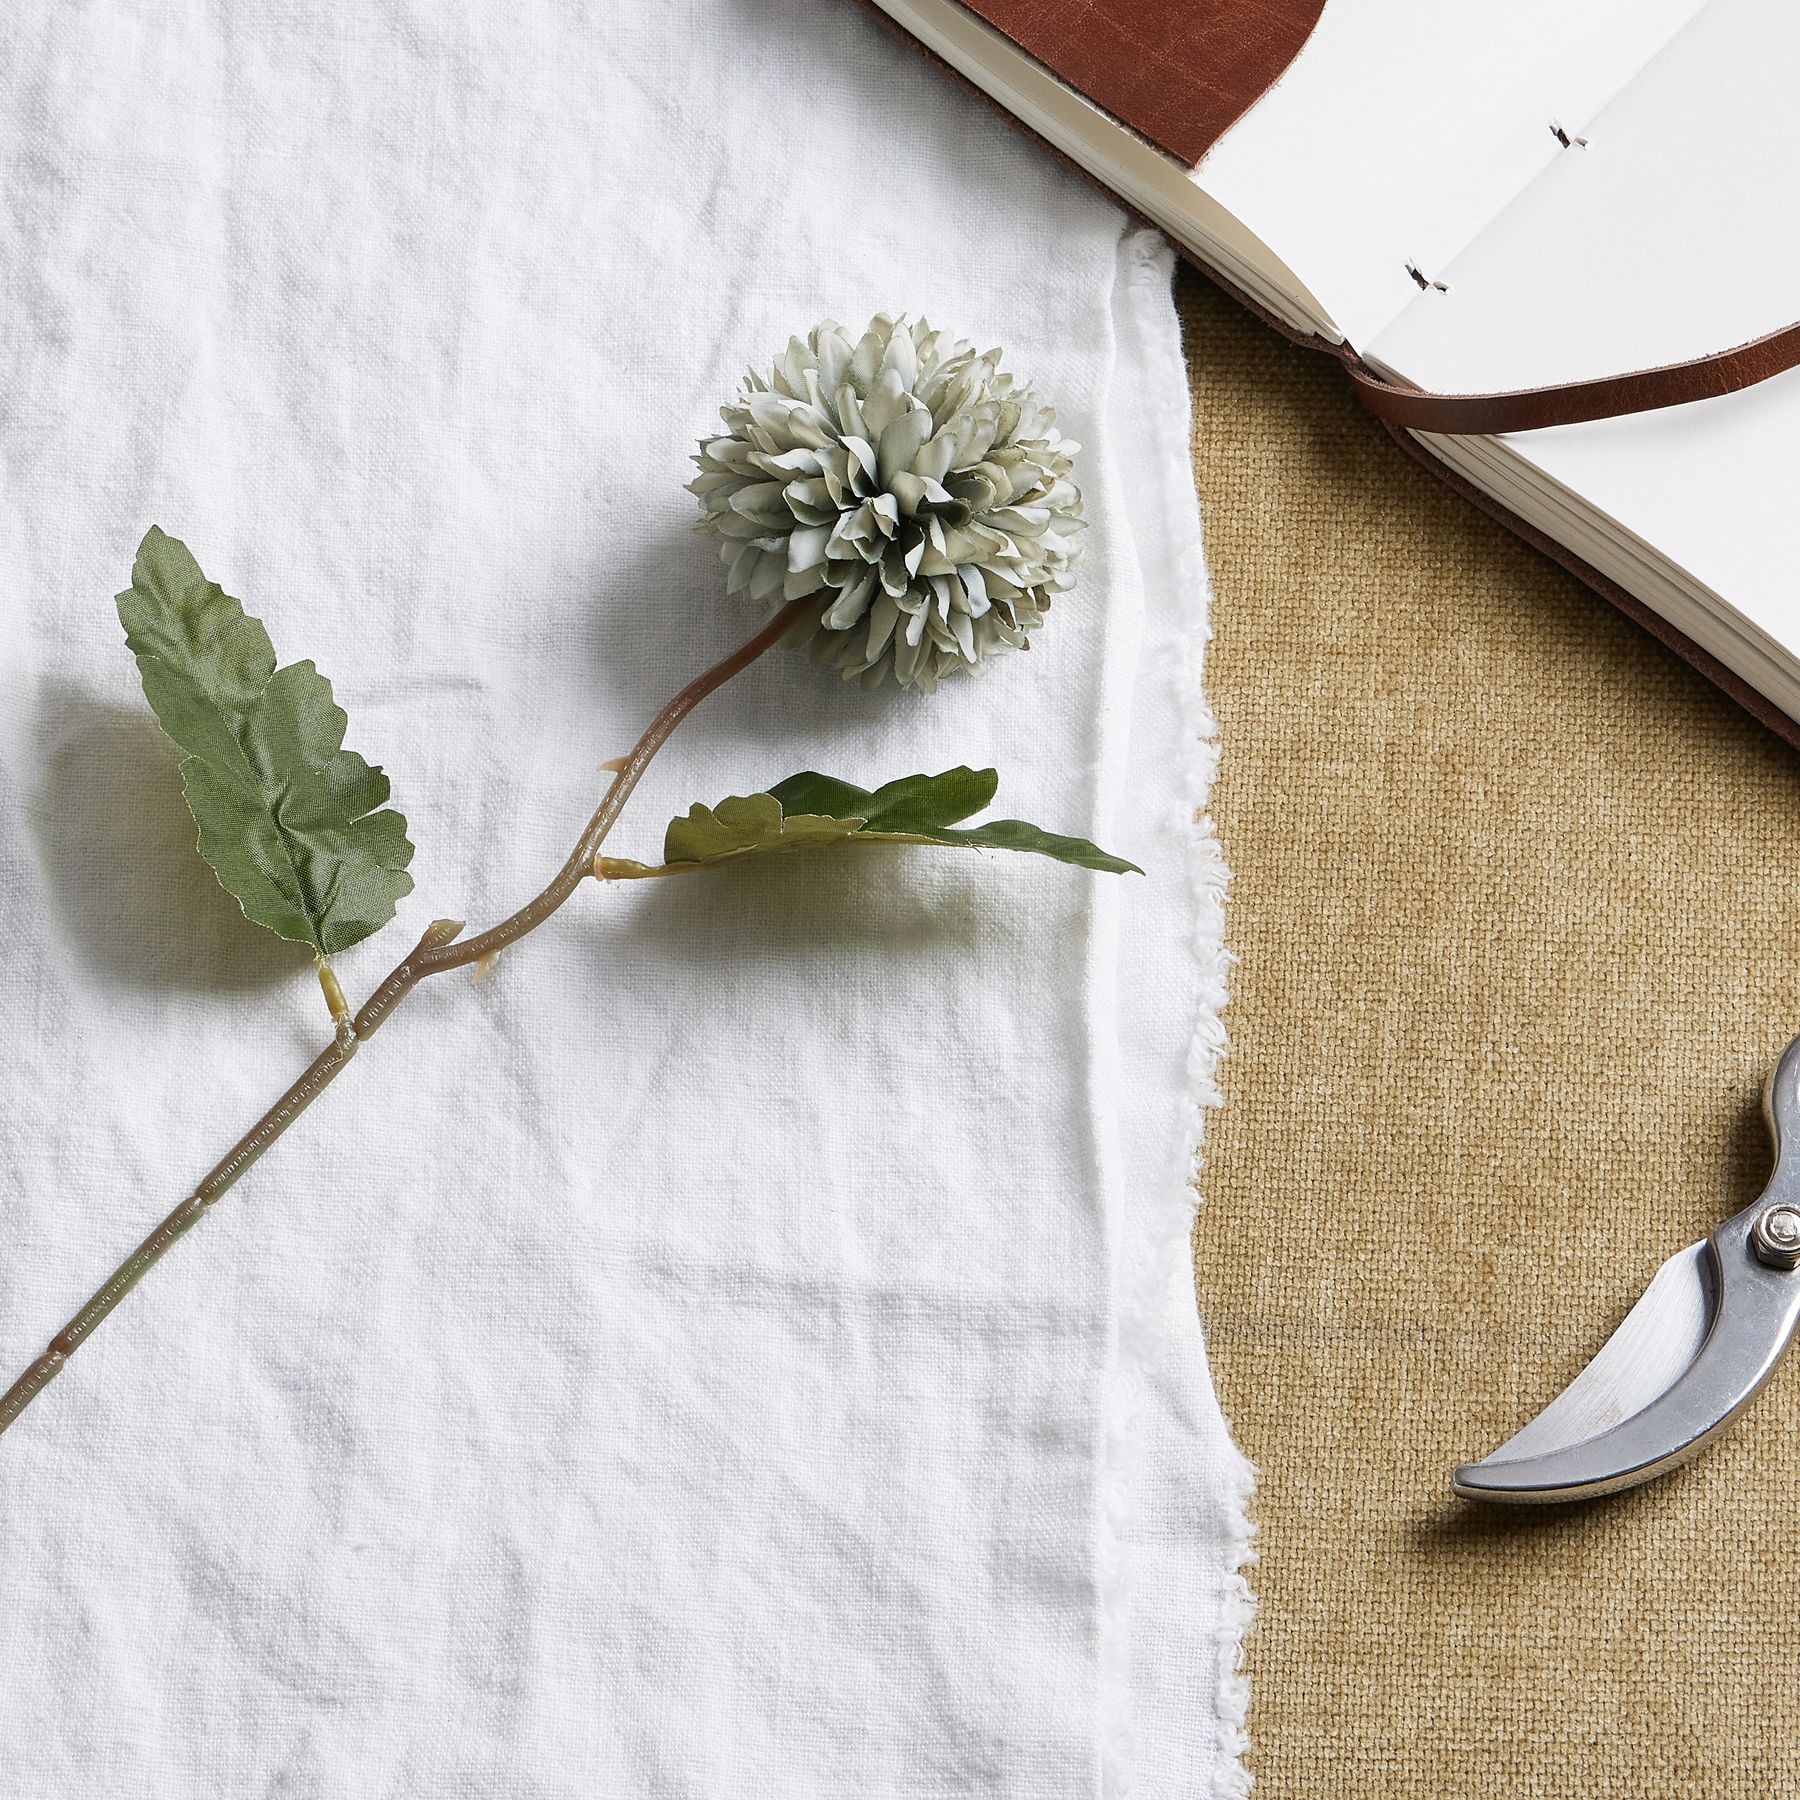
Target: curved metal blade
(1690,1356)
(1656,1343)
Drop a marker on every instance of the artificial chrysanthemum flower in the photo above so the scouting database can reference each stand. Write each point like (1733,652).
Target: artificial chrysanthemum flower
(923,494)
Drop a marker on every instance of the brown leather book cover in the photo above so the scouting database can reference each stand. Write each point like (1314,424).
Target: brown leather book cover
(1177,72)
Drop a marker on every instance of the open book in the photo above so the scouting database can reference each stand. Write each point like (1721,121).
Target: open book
(1481,197)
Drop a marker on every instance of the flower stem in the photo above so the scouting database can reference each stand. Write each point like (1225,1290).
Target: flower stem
(435,953)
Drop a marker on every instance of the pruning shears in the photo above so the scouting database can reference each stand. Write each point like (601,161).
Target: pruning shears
(1695,1350)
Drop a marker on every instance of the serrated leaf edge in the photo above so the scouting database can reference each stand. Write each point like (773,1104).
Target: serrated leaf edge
(314,938)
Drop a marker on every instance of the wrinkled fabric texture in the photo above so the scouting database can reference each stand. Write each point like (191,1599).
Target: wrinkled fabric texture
(745,1345)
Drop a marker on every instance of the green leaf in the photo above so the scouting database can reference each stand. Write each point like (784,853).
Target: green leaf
(755,825)
(812,811)
(1016,834)
(287,816)
(913,803)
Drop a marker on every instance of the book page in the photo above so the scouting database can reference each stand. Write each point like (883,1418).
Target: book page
(1670,235)
(1401,129)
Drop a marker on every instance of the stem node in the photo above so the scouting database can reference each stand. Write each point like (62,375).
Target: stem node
(334,994)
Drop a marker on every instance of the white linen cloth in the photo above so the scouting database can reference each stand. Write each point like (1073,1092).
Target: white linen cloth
(745,1347)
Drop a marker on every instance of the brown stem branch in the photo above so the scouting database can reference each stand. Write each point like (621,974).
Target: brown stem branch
(435,953)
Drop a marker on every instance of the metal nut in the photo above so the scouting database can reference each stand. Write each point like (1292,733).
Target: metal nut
(1775,1237)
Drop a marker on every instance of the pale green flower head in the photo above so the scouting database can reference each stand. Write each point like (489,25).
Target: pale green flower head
(919,491)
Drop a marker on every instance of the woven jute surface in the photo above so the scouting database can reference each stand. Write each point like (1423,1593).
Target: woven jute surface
(1516,913)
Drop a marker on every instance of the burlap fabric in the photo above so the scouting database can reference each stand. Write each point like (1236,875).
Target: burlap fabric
(1516,912)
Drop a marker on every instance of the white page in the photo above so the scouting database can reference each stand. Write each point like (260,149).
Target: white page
(1669,236)
(1401,129)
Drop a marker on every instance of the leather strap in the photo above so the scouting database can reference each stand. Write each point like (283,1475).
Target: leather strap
(1572,402)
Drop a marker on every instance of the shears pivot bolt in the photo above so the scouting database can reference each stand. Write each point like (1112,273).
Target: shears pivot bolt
(1775,1236)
